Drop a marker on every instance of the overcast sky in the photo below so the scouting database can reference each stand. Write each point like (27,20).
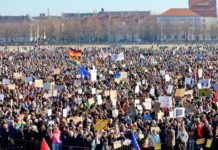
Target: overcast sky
(56,7)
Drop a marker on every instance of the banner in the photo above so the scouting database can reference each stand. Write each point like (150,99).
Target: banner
(204,92)
(101,124)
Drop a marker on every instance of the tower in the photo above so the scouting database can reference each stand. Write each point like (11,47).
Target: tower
(205,8)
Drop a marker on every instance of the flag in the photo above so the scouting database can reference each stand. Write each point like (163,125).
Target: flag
(198,56)
(44,145)
(216,96)
(75,53)
(73,60)
(135,144)
(83,72)
(117,74)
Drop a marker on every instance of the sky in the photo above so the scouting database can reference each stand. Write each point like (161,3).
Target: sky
(56,7)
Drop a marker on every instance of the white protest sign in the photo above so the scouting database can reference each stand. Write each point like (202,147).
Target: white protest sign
(5,81)
(188,80)
(39,83)
(200,72)
(165,101)
(151,92)
(179,112)
(65,112)
(93,91)
(93,75)
(169,89)
(2,97)
(167,78)
(147,104)
(99,100)
(49,112)
(137,89)
(162,72)
(115,113)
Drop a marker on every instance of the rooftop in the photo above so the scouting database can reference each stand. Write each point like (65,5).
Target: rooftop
(177,12)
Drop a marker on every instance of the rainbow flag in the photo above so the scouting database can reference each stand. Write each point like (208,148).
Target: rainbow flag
(73,60)
(75,53)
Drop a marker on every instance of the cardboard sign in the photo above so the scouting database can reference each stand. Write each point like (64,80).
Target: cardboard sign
(165,101)
(117,144)
(124,75)
(157,146)
(56,71)
(113,96)
(180,93)
(39,83)
(209,142)
(204,92)
(147,104)
(91,101)
(106,93)
(200,141)
(115,113)
(179,112)
(101,124)
(17,75)
(11,86)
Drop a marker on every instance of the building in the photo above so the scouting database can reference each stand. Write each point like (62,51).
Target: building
(178,24)
(205,8)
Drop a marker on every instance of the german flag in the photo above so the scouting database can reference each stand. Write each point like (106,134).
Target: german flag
(75,53)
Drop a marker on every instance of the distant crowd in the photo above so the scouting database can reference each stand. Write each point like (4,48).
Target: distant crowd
(116,98)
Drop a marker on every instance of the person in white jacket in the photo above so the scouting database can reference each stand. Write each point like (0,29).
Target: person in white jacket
(182,137)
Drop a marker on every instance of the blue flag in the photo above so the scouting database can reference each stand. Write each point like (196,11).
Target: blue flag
(198,56)
(117,74)
(83,72)
(135,144)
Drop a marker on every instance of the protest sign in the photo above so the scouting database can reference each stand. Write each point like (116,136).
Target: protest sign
(199,86)
(179,112)
(115,113)
(39,83)
(11,86)
(117,144)
(99,100)
(101,124)
(113,96)
(79,91)
(188,81)
(200,141)
(2,97)
(28,79)
(56,71)
(162,72)
(180,93)
(169,89)
(93,75)
(47,86)
(208,143)
(127,142)
(200,72)
(136,89)
(65,112)
(216,96)
(49,112)
(215,87)
(147,104)
(204,92)
(17,75)
(91,101)
(152,91)
(93,91)
(5,81)
(165,101)
(167,78)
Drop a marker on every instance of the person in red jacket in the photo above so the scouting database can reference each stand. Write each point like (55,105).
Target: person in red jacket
(198,133)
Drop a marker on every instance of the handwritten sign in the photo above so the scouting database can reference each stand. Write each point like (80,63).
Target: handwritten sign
(180,93)
(101,124)
(204,92)
(39,83)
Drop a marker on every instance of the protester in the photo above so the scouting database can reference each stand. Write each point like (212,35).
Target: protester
(109,98)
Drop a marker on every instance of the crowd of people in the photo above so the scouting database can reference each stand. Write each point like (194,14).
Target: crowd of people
(157,98)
